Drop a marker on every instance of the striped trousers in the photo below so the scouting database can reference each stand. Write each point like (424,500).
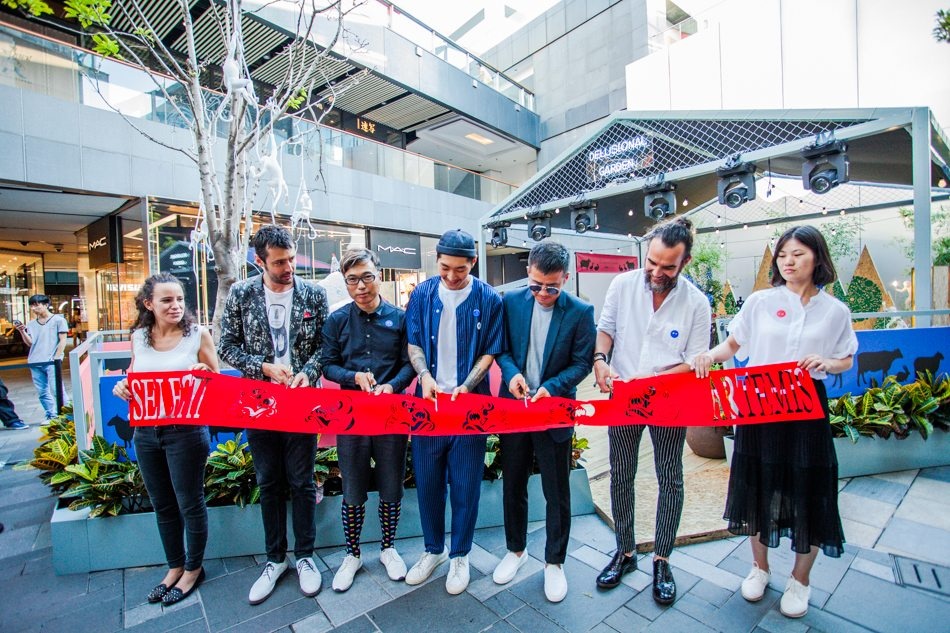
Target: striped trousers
(668,459)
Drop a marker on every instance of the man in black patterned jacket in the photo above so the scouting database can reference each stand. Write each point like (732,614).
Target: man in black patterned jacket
(272,330)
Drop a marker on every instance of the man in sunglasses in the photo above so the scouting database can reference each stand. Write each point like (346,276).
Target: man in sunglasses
(551,338)
(364,349)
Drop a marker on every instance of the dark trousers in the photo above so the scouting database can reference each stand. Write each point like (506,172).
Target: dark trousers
(7,413)
(355,453)
(624,442)
(279,458)
(172,460)
(453,463)
(554,459)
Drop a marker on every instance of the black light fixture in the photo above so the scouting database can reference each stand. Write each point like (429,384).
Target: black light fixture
(659,200)
(499,233)
(539,225)
(736,184)
(583,216)
(826,164)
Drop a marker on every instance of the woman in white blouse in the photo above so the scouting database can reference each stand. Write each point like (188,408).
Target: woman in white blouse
(784,476)
(172,458)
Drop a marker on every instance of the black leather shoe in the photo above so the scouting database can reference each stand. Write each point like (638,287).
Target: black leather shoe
(177,595)
(619,566)
(664,587)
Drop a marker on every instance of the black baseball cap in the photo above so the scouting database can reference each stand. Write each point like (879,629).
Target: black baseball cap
(457,243)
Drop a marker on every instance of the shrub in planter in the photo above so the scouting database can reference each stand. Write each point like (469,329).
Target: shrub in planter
(108,483)
(229,475)
(56,451)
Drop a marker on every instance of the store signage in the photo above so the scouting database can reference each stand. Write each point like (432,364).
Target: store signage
(620,158)
(372,129)
(396,250)
(105,242)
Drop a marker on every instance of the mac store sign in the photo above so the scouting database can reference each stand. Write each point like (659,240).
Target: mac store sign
(105,242)
(396,250)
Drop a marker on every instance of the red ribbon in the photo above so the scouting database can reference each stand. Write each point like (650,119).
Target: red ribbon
(751,395)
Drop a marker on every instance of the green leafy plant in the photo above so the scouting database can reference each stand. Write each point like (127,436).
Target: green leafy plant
(492,458)
(56,451)
(326,472)
(893,409)
(229,475)
(108,482)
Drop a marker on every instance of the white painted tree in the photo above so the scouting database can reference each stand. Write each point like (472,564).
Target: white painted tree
(232,113)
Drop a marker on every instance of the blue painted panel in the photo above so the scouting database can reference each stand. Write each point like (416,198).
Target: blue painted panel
(901,353)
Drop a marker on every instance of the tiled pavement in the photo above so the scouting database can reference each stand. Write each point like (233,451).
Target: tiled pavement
(900,513)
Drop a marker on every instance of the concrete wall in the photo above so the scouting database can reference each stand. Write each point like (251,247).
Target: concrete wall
(57,143)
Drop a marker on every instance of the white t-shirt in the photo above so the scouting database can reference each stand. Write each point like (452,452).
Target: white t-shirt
(45,338)
(447,362)
(278,317)
(774,327)
(648,341)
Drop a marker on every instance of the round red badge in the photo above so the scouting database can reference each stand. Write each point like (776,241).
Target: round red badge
(780,314)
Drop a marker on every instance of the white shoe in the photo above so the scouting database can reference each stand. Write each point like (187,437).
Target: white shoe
(555,583)
(263,587)
(506,570)
(794,602)
(421,571)
(753,587)
(394,564)
(344,575)
(308,577)
(457,580)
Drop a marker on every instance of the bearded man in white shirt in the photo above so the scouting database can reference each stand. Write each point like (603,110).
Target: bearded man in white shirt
(651,324)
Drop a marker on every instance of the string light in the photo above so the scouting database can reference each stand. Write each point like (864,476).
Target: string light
(824,211)
(745,226)
(524,243)
(685,202)
(722,244)
(630,212)
(842,212)
(718,219)
(557,210)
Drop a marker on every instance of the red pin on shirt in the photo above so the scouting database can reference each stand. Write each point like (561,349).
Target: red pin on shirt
(780,314)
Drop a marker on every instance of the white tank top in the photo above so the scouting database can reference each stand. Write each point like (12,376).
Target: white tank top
(179,358)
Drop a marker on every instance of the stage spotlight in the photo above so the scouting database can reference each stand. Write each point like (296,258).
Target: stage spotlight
(499,237)
(659,200)
(583,216)
(540,229)
(826,164)
(736,184)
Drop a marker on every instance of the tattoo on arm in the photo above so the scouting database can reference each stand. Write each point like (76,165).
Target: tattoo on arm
(482,365)
(418,360)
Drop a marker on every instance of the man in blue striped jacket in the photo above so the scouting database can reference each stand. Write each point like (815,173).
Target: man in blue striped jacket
(455,328)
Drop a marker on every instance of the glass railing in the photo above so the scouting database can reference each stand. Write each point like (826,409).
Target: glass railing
(680,31)
(35,63)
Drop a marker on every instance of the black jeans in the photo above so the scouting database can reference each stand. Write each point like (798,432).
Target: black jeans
(172,460)
(7,413)
(554,459)
(279,458)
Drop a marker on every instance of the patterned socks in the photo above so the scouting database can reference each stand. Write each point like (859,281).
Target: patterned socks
(353,525)
(388,520)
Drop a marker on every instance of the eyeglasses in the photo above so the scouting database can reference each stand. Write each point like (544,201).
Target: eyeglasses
(366,278)
(551,290)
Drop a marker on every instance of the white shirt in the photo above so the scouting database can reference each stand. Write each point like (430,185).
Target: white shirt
(646,341)
(540,324)
(447,363)
(774,327)
(179,358)
(278,317)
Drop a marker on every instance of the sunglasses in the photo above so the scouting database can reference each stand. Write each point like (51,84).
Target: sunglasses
(366,278)
(551,290)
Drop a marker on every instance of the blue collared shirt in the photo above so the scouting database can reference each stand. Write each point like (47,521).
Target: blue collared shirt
(479,325)
(355,341)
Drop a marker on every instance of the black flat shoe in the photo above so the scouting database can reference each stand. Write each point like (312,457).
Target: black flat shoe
(157,593)
(619,566)
(177,595)
(664,587)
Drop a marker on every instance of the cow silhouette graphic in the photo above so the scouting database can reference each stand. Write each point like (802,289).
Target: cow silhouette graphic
(880,361)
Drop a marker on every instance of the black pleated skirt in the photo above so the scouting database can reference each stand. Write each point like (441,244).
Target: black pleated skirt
(784,482)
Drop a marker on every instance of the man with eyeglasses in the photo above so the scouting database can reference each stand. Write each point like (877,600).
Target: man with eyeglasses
(551,338)
(455,330)
(364,349)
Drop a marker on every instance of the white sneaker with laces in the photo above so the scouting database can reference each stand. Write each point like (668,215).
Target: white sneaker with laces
(555,583)
(308,577)
(508,568)
(754,585)
(394,564)
(457,580)
(263,587)
(424,567)
(794,602)
(344,575)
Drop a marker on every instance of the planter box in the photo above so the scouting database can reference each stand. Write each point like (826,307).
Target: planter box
(872,455)
(81,544)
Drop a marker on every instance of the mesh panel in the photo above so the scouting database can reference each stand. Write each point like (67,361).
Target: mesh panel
(629,150)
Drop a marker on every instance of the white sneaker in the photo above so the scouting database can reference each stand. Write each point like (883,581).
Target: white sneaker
(555,583)
(753,587)
(506,570)
(421,571)
(344,575)
(308,577)
(794,602)
(263,587)
(457,580)
(394,564)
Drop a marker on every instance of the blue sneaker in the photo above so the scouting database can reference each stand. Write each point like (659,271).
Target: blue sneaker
(17,425)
